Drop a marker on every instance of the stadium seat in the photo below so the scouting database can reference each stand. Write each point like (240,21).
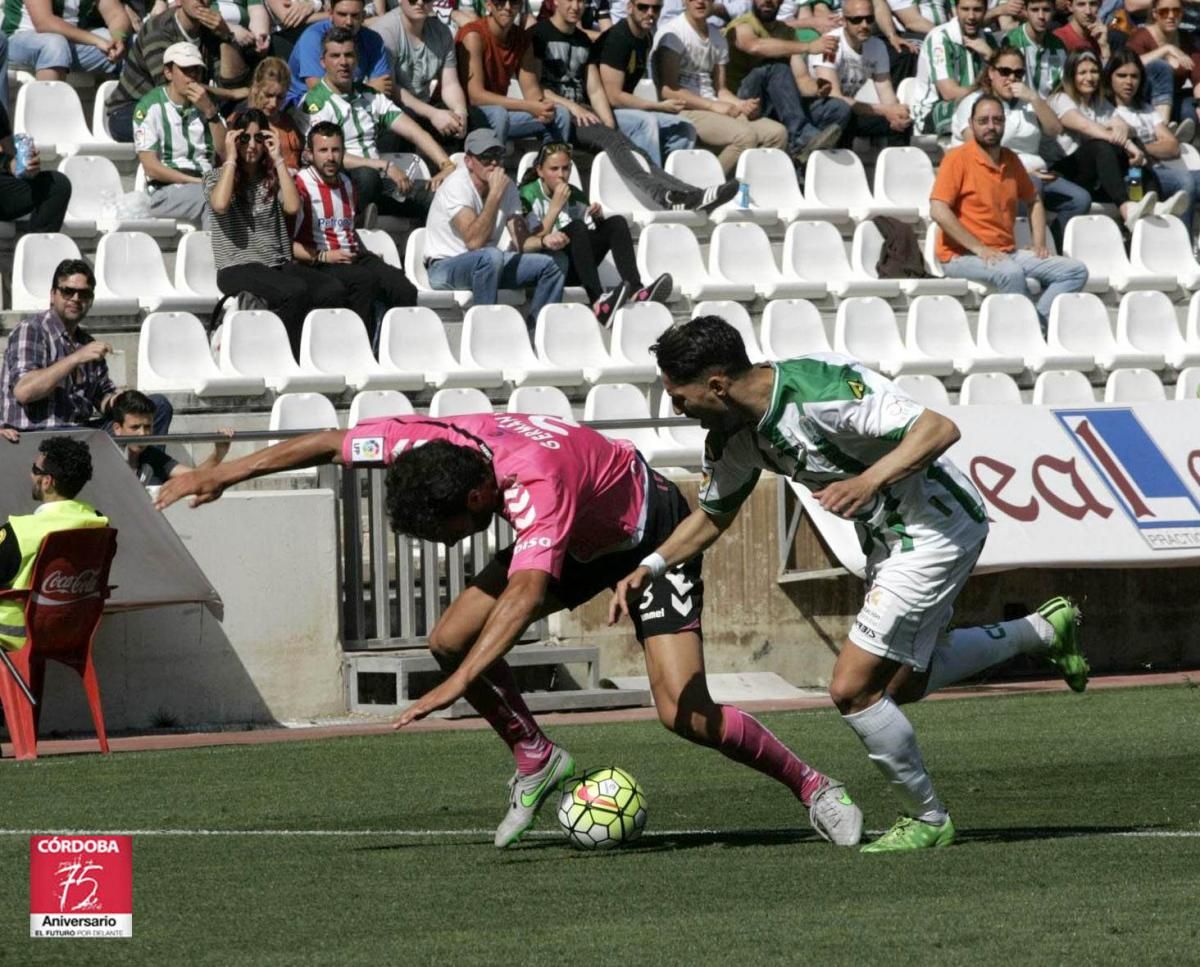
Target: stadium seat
(635,329)
(989,389)
(100,130)
(1023,236)
(95,188)
(903,179)
(938,333)
(414,258)
(569,336)
(793,327)
(1063,387)
(34,261)
(457,400)
(736,315)
(701,168)
(740,253)
(50,112)
(529,157)
(1133,386)
(1079,325)
(1009,327)
(1161,246)
(544,400)
(495,337)
(129,268)
(336,341)
(174,357)
(836,180)
(302,411)
(1096,241)
(1147,322)
(645,88)
(615,197)
(866,330)
(926,390)
(864,260)
(771,175)
(195,269)
(254,342)
(688,440)
(413,340)
(674,249)
(624,401)
(814,252)
(371,403)
(1187,387)
(382,244)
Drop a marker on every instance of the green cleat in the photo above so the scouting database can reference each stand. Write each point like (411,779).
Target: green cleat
(1064,653)
(909,833)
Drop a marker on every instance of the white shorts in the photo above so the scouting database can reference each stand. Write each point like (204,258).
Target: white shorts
(910,601)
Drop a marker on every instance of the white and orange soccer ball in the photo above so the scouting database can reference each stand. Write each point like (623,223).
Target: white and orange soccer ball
(602,809)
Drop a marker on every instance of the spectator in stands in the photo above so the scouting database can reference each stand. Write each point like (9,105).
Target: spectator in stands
(268,91)
(469,213)
(622,53)
(54,38)
(914,17)
(42,195)
(691,59)
(1161,42)
(54,373)
(1084,30)
(767,64)
(1044,53)
(594,21)
(325,238)
(371,64)
(952,58)
(1096,144)
(1027,120)
(424,69)
(252,247)
(4,70)
(289,20)
(250,38)
(489,53)
(561,220)
(859,59)
(133,416)
(363,114)
(974,203)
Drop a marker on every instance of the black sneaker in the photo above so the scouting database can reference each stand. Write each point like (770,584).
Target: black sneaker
(604,307)
(827,137)
(718,195)
(657,291)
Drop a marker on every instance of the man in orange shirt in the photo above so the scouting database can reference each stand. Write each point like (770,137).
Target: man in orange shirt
(974,203)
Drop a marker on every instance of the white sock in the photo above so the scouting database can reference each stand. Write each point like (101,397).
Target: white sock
(892,745)
(968,651)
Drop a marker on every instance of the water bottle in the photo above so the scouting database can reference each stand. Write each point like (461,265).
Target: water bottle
(743,195)
(23,145)
(1133,182)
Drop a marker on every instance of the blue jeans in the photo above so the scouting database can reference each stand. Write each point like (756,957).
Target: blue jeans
(654,133)
(1056,275)
(1171,180)
(1064,200)
(4,73)
(487,270)
(775,85)
(521,124)
(29,48)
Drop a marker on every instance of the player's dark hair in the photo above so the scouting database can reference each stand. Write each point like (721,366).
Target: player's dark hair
(68,461)
(324,129)
(69,267)
(688,352)
(337,35)
(430,483)
(130,403)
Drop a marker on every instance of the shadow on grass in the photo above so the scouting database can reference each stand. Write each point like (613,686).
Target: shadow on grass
(1018,834)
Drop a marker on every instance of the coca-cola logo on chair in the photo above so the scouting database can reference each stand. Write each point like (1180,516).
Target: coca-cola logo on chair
(64,584)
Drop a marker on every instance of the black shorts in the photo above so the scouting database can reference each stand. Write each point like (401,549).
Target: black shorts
(672,603)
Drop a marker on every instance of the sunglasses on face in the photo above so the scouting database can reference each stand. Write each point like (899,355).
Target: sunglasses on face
(244,139)
(515,4)
(866,19)
(1169,13)
(72,293)
(1015,73)
(655,8)
(488,159)
(40,471)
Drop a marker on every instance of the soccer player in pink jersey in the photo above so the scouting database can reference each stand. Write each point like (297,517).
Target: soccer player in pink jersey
(585,510)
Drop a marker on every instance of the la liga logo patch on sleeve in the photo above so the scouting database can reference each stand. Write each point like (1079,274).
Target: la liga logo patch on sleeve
(81,886)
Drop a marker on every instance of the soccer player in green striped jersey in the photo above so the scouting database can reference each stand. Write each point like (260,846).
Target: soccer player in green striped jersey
(874,456)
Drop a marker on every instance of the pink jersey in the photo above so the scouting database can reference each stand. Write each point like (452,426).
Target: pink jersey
(567,489)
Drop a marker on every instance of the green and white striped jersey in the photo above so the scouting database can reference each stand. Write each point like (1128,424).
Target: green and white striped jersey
(944,57)
(830,418)
(1043,62)
(176,133)
(80,13)
(360,114)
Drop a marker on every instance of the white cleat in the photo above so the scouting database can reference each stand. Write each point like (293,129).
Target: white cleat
(834,816)
(527,793)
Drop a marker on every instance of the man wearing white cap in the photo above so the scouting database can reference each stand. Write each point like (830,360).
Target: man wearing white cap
(178,132)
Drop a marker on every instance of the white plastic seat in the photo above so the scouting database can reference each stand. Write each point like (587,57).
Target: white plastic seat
(926,390)
(866,330)
(302,411)
(427,295)
(174,357)
(382,244)
(989,389)
(793,327)
(254,342)
(529,157)
(938,332)
(904,179)
(1079,324)
(1187,387)
(457,400)
(864,260)
(50,112)
(130,269)
(569,336)
(495,337)
(737,316)
(371,403)
(541,400)
(686,443)
(412,339)
(95,185)
(701,168)
(34,261)
(740,253)
(336,341)
(1096,241)
(1009,327)
(1133,386)
(836,180)
(1161,246)
(624,401)
(1062,387)
(100,130)
(635,329)
(195,268)
(1147,322)
(771,175)
(1023,236)
(674,249)
(815,252)
(615,197)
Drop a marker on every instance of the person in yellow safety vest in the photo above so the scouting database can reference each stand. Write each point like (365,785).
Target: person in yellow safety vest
(61,468)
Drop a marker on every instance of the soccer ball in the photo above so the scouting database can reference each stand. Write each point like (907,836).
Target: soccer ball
(602,809)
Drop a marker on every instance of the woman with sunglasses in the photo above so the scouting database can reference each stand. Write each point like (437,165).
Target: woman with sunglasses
(1027,119)
(1162,42)
(561,220)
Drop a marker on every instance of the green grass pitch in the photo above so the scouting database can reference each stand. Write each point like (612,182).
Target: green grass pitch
(1046,792)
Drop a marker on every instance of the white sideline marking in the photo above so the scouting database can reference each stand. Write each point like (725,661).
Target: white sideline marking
(542,833)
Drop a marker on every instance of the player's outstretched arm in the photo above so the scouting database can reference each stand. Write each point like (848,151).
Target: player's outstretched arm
(695,533)
(205,485)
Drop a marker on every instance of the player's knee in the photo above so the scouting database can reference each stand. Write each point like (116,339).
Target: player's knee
(445,645)
(846,694)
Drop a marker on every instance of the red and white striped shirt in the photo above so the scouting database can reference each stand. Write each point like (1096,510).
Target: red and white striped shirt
(326,217)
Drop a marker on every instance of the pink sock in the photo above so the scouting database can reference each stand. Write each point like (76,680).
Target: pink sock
(744,739)
(496,697)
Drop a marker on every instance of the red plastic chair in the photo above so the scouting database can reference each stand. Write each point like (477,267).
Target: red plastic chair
(63,607)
